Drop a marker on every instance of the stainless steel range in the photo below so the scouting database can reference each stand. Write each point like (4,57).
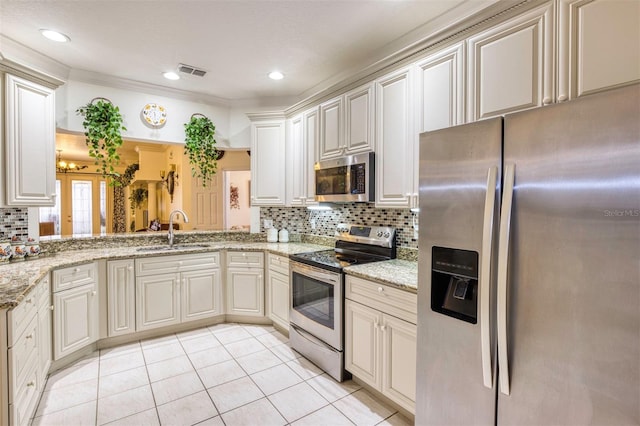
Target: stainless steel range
(317,292)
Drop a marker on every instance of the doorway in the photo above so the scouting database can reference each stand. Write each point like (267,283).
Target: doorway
(81,206)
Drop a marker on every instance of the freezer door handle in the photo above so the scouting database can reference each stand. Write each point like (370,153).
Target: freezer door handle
(485,278)
(503,261)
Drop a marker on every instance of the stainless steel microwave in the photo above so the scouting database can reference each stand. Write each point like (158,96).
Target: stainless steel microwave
(346,179)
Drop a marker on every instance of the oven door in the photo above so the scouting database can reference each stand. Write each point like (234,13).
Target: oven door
(317,302)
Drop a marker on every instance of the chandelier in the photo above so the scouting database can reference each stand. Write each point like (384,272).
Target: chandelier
(63,167)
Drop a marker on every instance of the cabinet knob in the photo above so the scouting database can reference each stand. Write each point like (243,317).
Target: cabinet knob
(562,98)
(76,270)
(29,336)
(546,101)
(383,327)
(130,268)
(31,383)
(380,289)
(51,307)
(93,293)
(375,324)
(29,300)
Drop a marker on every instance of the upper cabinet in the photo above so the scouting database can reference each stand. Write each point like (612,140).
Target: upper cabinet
(396,141)
(511,65)
(268,186)
(441,89)
(346,123)
(599,46)
(29,162)
(301,140)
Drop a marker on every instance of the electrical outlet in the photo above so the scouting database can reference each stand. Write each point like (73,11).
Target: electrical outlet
(312,222)
(267,223)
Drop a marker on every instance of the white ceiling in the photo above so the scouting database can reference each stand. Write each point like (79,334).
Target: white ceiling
(314,43)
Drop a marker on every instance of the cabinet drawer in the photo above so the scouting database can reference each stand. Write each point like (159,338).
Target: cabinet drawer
(278,263)
(390,300)
(20,317)
(43,292)
(75,276)
(251,259)
(25,398)
(23,355)
(177,263)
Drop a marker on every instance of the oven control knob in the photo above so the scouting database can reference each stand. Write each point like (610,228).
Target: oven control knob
(379,234)
(386,235)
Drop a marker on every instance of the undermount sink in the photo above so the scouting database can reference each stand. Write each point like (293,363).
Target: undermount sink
(174,247)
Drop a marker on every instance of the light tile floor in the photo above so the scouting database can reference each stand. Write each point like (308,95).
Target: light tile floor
(228,374)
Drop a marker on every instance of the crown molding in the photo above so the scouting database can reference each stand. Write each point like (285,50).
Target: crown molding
(264,116)
(24,62)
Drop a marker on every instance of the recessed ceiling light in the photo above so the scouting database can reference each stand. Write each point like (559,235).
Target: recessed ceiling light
(171,75)
(276,75)
(55,36)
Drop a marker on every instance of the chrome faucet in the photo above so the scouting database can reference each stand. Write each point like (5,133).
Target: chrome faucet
(173,213)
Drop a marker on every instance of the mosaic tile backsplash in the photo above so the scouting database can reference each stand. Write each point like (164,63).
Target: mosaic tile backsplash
(14,222)
(299,220)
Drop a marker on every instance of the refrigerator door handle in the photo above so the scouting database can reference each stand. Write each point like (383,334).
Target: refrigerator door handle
(503,261)
(485,277)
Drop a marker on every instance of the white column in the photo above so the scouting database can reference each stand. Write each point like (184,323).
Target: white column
(152,203)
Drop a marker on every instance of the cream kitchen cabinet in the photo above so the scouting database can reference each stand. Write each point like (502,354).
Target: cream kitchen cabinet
(29,148)
(121,297)
(301,140)
(245,283)
(176,289)
(396,141)
(346,123)
(75,308)
(511,65)
(381,338)
(26,357)
(268,162)
(599,46)
(278,297)
(441,89)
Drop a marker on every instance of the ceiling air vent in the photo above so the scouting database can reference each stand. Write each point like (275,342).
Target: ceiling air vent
(191,70)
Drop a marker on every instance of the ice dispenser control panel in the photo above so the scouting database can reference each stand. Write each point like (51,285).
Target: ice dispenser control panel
(454,283)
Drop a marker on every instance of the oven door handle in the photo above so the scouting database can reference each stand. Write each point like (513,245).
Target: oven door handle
(312,339)
(327,277)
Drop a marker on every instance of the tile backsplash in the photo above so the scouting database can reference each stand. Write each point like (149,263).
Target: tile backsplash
(14,222)
(299,220)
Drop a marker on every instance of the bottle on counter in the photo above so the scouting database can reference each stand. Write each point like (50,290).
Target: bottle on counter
(272,235)
(283,236)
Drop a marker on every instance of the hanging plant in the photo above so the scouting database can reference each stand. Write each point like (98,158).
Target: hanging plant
(103,124)
(137,197)
(200,146)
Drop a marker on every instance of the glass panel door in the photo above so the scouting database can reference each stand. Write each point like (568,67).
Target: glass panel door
(81,206)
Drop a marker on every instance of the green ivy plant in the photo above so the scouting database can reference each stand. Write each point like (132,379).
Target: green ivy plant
(103,126)
(137,197)
(200,146)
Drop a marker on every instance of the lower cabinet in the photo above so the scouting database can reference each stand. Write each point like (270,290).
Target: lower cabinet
(245,283)
(278,298)
(121,287)
(75,311)
(187,288)
(380,349)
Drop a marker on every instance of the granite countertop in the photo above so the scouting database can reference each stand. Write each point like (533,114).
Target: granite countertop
(18,279)
(402,274)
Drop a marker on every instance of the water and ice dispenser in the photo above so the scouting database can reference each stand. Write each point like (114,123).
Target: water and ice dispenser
(454,283)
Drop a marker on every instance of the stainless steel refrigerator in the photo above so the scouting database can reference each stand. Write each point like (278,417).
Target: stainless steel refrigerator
(529,267)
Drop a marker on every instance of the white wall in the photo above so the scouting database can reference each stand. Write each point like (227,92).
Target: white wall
(75,94)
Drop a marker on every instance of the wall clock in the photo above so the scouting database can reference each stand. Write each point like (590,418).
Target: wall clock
(154,115)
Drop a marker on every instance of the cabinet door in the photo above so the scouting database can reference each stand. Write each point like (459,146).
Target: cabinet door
(279,299)
(296,163)
(201,294)
(245,292)
(399,361)
(359,107)
(157,301)
(396,141)
(511,65)
(268,163)
(44,344)
(121,297)
(599,46)
(310,140)
(76,319)
(362,343)
(441,89)
(331,143)
(30,143)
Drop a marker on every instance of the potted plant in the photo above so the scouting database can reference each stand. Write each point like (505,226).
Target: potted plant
(137,197)
(200,147)
(103,124)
